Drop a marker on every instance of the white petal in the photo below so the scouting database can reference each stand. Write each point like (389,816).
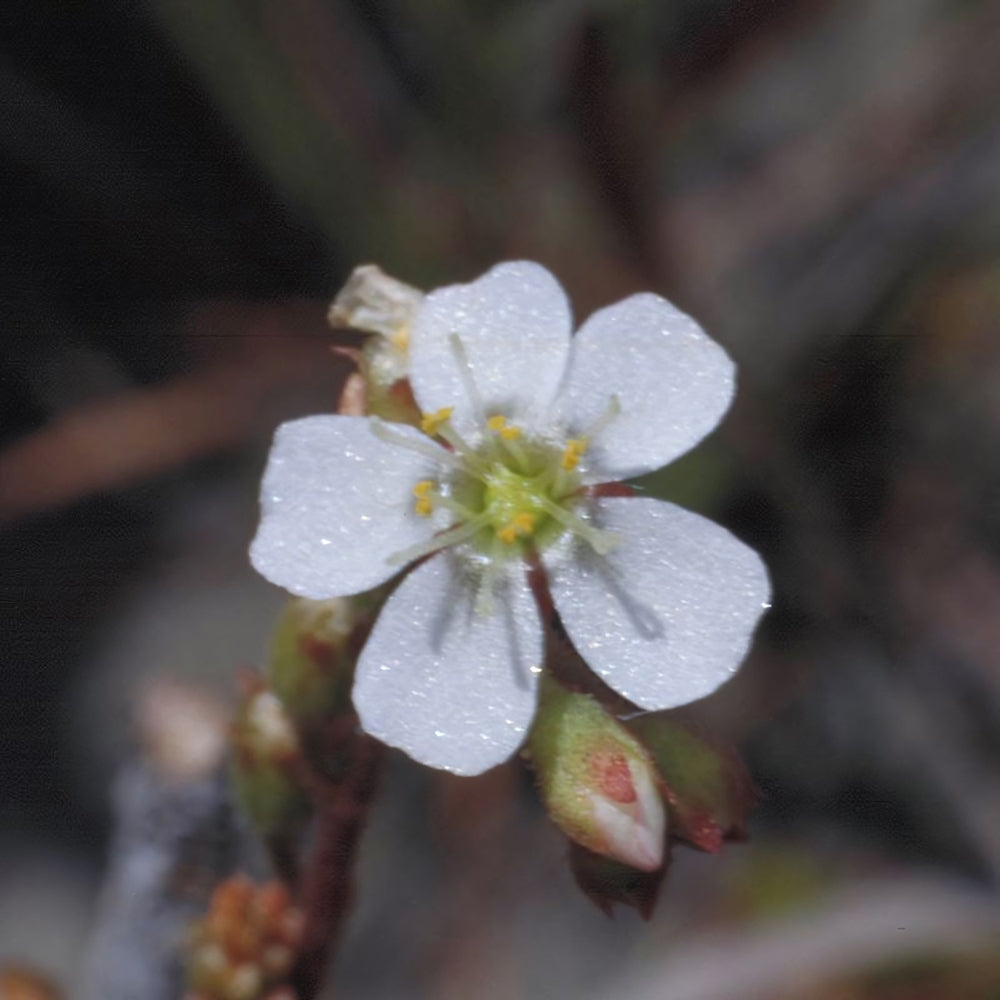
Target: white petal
(515,325)
(452,687)
(668,614)
(631,836)
(336,502)
(672,381)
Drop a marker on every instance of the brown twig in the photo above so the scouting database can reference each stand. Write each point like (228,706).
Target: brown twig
(261,364)
(327,882)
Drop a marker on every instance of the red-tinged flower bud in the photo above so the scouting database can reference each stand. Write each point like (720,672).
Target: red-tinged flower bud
(313,650)
(707,788)
(266,754)
(597,781)
(242,950)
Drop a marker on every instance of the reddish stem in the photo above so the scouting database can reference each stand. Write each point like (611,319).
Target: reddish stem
(327,889)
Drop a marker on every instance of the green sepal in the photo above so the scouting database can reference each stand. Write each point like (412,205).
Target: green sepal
(706,786)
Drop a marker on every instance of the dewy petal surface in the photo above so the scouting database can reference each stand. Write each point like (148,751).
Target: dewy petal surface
(336,502)
(673,383)
(668,614)
(454,688)
(514,323)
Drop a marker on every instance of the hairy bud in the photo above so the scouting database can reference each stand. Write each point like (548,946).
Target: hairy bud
(706,786)
(266,753)
(313,649)
(596,779)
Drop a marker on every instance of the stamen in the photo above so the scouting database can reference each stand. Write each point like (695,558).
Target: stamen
(515,449)
(430,423)
(525,522)
(573,452)
(385,433)
(448,433)
(473,462)
(508,434)
(453,536)
(468,380)
(454,506)
(612,410)
(602,542)
(428,498)
(520,526)
(507,431)
(424,505)
(484,595)
(576,448)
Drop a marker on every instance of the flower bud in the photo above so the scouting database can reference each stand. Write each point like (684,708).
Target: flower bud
(313,649)
(265,754)
(246,945)
(373,301)
(383,306)
(707,788)
(597,781)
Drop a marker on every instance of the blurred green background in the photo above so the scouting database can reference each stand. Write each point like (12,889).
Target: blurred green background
(186,184)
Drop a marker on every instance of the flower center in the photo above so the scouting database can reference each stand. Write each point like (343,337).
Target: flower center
(516,503)
(516,489)
(507,493)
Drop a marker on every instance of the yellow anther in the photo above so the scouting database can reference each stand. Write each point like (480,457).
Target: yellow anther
(507,535)
(573,452)
(430,422)
(424,506)
(524,523)
(505,430)
(400,339)
(519,526)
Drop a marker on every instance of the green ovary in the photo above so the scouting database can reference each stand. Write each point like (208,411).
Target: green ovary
(520,508)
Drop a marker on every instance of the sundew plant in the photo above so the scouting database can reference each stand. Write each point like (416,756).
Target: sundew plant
(473,578)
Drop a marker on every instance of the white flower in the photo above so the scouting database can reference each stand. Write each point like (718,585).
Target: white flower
(659,601)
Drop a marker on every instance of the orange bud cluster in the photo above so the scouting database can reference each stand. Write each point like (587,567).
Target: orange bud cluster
(246,946)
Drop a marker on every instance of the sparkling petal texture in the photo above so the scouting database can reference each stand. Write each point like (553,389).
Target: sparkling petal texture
(515,325)
(336,502)
(673,383)
(667,615)
(454,689)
